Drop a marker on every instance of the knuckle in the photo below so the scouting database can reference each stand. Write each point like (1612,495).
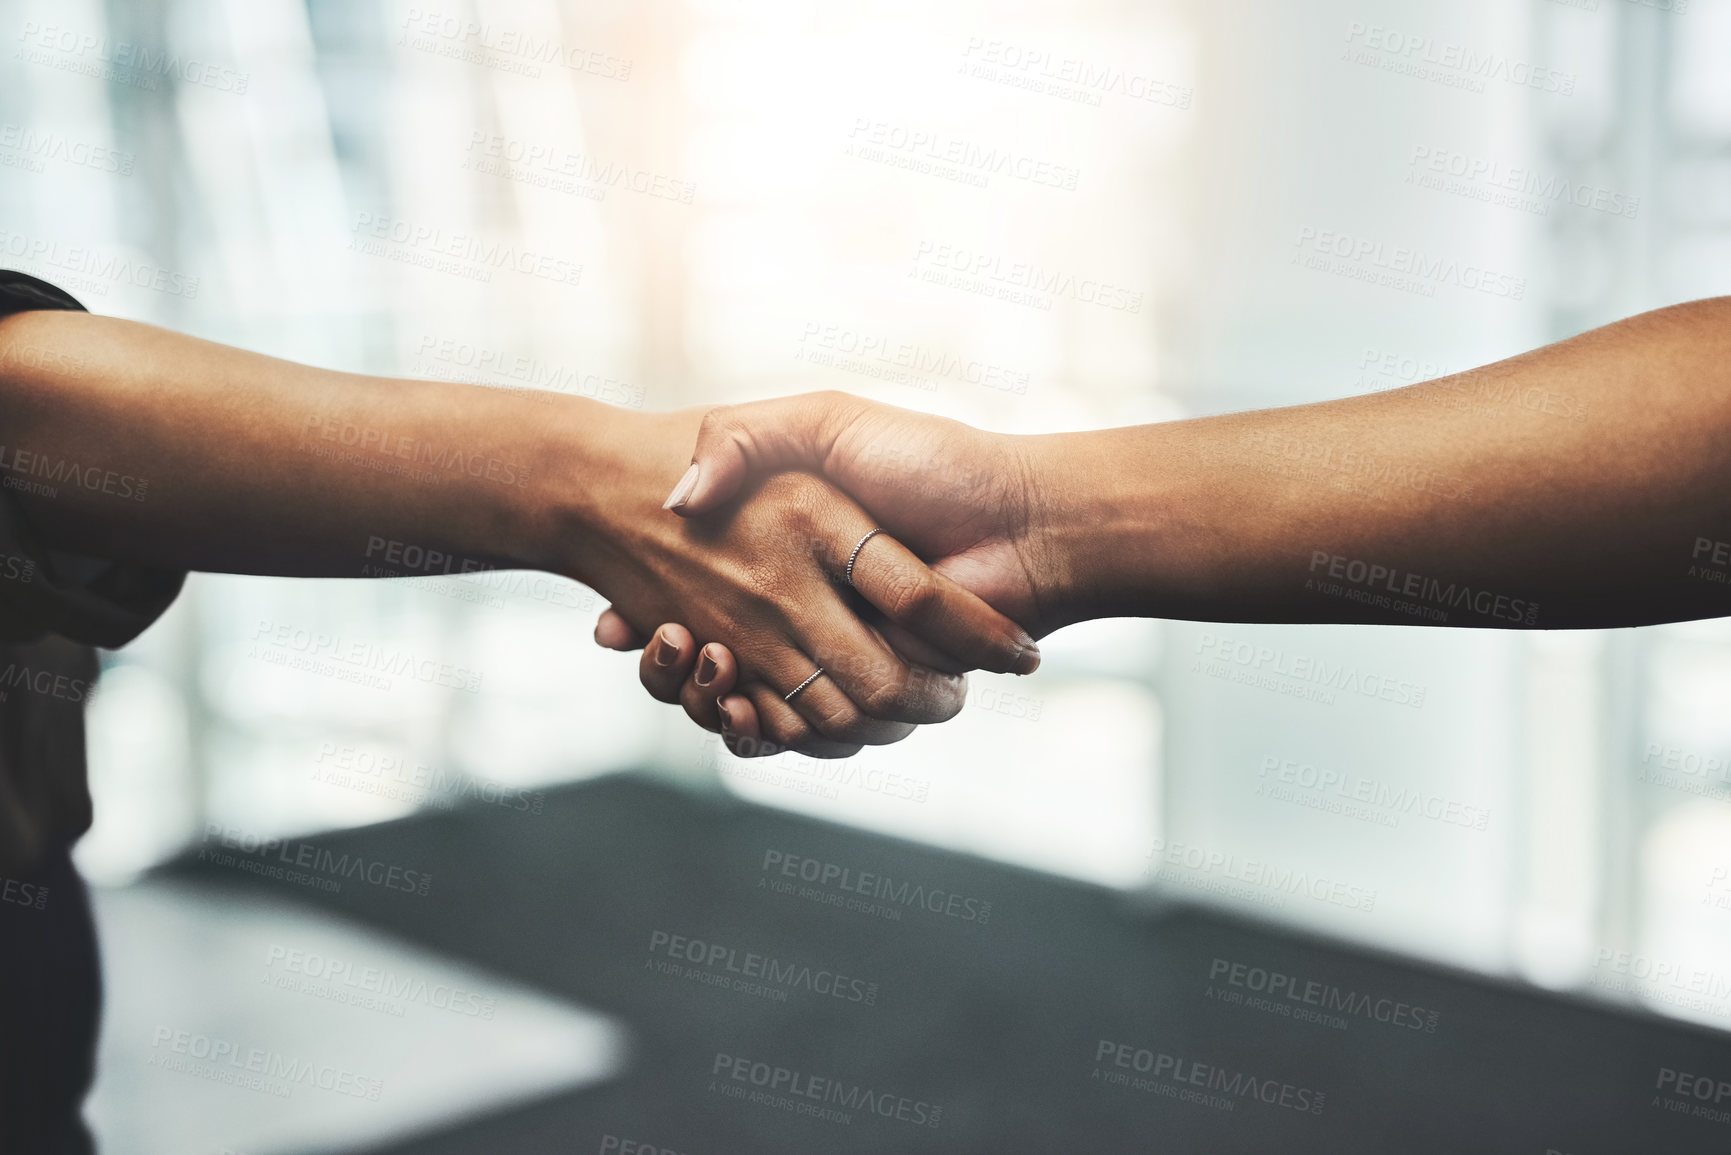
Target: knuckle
(785,736)
(912,595)
(716,422)
(886,697)
(840,723)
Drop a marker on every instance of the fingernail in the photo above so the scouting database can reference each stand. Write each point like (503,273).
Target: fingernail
(726,718)
(705,668)
(1027,658)
(682,492)
(666,653)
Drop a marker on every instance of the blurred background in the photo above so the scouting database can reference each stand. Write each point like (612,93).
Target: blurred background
(748,199)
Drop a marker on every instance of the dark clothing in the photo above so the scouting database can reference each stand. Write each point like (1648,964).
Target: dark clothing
(50,1001)
(54,606)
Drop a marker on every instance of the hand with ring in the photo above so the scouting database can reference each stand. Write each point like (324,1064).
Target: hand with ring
(823,633)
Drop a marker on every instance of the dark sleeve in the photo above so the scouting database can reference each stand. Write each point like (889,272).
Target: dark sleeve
(49,591)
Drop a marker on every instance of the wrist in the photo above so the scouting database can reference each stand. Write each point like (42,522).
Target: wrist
(1100,522)
(603,473)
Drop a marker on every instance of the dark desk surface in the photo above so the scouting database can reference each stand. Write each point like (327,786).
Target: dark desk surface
(1063,1020)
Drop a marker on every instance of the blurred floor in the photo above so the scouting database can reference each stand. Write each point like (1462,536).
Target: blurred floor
(1022,1026)
(358,1037)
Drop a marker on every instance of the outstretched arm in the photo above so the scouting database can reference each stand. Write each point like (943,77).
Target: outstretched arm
(129,442)
(1585,484)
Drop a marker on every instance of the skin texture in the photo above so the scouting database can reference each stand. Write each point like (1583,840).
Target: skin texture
(1586,484)
(254,465)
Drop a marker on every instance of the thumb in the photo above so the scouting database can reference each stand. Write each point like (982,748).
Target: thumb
(738,441)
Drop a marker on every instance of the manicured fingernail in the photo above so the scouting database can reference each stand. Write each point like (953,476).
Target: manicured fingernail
(1027,658)
(682,492)
(726,718)
(705,668)
(666,653)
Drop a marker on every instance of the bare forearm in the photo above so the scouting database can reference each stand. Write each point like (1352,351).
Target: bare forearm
(129,441)
(1590,479)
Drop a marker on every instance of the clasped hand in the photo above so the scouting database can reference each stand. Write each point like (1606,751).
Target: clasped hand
(756,598)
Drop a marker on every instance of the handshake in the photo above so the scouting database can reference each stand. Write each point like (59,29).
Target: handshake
(827,569)
(835,565)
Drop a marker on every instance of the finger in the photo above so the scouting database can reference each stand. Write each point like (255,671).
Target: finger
(913,649)
(781,728)
(666,662)
(862,672)
(738,720)
(736,441)
(712,678)
(940,611)
(615,633)
(822,700)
